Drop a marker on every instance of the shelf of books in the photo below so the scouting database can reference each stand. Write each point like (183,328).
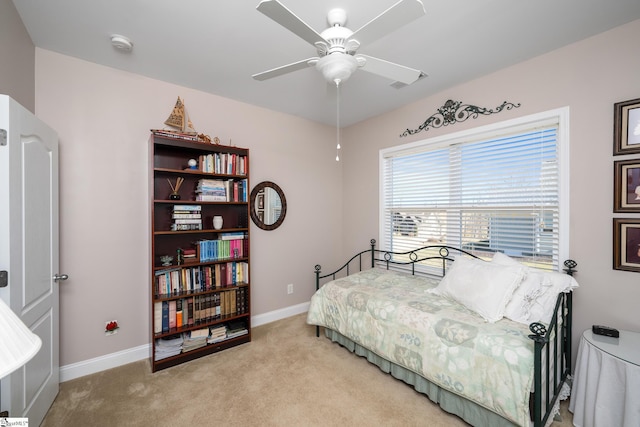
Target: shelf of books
(200,286)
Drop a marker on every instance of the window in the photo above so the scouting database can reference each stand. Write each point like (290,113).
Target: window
(497,188)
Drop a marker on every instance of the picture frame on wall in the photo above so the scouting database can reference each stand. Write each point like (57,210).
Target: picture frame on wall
(626,186)
(626,127)
(626,244)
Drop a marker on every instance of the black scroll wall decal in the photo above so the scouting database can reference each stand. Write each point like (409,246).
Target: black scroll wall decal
(455,111)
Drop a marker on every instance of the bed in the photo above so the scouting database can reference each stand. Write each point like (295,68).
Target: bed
(457,328)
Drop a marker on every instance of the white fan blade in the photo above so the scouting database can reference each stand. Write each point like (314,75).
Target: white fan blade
(391,19)
(390,70)
(305,63)
(283,16)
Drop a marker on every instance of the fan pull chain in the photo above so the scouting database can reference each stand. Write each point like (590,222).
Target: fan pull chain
(337,119)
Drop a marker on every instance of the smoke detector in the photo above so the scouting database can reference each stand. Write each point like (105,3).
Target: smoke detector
(121,43)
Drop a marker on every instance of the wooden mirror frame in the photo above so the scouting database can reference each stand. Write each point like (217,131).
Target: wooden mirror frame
(252,205)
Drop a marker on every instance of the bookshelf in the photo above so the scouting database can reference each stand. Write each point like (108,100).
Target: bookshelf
(199,281)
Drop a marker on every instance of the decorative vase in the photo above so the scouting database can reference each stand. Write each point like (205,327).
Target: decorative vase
(217,222)
(174,196)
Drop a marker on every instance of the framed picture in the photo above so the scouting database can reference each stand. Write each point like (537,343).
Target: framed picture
(626,127)
(260,200)
(626,244)
(626,186)
(261,215)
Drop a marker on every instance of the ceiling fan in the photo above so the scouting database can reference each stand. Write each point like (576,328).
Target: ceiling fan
(337,45)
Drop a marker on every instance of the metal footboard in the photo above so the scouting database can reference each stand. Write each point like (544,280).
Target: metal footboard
(558,336)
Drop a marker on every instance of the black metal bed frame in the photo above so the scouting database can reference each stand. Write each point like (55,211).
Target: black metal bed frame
(558,332)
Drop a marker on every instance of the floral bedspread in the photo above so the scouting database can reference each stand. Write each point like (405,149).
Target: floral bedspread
(391,314)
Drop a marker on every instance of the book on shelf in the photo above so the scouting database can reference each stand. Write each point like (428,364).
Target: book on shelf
(190,306)
(220,249)
(236,328)
(233,235)
(198,309)
(157,317)
(187,221)
(187,208)
(179,313)
(172,314)
(223,163)
(186,279)
(195,339)
(189,255)
(185,227)
(211,190)
(218,190)
(186,217)
(163,281)
(165,316)
(168,346)
(237,333)
(217,334)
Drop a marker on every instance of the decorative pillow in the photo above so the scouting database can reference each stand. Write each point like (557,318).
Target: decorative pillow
(481,286)
(535,299)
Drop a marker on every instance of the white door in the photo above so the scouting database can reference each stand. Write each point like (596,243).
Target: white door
(29,253)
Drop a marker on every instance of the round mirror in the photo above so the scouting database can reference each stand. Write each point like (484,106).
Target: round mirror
(268,205)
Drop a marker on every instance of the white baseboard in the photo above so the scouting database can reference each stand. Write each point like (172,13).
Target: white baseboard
(101,363)
(283,313)
(113,360)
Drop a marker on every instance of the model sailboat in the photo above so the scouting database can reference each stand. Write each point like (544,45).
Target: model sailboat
(179,119)
(181,125)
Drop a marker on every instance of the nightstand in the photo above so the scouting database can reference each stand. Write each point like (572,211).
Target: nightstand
(606,383)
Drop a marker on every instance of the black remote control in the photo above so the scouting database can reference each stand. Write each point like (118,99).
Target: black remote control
(605,330)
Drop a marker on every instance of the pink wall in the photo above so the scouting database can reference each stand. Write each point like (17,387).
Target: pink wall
(589,77)
(17,58)
(103,117)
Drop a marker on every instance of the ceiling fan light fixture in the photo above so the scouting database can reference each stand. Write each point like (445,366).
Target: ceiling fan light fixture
(337,67)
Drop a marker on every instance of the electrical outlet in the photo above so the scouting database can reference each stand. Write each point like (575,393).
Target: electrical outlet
(290,288)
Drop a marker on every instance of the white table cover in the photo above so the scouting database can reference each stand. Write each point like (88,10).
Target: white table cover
(606,387)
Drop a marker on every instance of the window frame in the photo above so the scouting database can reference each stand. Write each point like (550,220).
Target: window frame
(559,116)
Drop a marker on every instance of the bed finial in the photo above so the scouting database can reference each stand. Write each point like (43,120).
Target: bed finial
(317,267)
(570,264)
(539,332)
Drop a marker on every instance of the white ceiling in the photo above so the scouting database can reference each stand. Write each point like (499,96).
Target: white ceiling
(216,45)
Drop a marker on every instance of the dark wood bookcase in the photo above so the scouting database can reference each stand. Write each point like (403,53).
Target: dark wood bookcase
(204,288)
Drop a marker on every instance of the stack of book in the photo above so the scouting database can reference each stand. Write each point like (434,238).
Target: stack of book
(189,255)
(211,190)
(167,347)
(186,217)
(236,328)
(218,333)
(195,339)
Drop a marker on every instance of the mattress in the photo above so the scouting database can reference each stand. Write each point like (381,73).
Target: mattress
(392,315)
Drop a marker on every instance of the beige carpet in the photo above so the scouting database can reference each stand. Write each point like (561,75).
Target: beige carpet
(284,377)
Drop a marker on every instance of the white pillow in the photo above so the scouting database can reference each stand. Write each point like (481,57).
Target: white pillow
(535,299)
(481,286)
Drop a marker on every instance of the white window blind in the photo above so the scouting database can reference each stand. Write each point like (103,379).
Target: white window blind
(482,192)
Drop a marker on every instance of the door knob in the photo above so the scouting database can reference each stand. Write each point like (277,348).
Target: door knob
(59,277)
